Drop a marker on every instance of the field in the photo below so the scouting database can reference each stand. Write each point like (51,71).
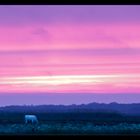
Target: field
(69,128)
(70,123)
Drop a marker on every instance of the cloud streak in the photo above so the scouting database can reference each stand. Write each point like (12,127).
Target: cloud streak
(70,42)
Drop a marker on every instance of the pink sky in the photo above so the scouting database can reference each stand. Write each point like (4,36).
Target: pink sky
(92,49)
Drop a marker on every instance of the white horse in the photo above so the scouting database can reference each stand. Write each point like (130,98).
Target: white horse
(31,119)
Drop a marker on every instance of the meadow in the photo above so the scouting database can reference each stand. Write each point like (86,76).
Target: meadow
(70,123)
(70,129)
(75,120)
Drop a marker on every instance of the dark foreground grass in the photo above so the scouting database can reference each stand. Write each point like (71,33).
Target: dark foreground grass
(69,128)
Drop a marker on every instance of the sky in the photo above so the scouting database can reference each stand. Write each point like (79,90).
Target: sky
(69,49)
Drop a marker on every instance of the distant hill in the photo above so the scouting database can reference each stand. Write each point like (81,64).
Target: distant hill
(129,109)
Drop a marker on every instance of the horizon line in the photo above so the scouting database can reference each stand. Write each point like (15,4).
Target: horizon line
(69,104)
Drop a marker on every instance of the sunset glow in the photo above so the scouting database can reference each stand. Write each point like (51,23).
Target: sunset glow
(120,80)
(69,49)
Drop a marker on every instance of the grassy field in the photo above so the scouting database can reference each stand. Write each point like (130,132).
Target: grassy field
(69,128)
(80,118)
(69,123)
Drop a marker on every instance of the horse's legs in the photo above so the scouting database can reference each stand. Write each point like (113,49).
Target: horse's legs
(25,121)
(32,121)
